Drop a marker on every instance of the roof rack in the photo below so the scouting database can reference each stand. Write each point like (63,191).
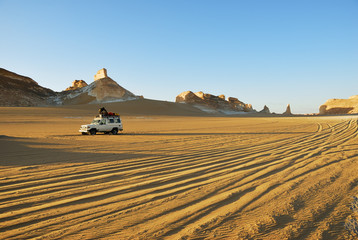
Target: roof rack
(106,116)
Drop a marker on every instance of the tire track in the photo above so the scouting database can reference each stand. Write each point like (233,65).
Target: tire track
(223,178)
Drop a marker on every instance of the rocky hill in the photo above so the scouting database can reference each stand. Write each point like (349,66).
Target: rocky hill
(103,89)
(211,103)
(17,90)
(340,106)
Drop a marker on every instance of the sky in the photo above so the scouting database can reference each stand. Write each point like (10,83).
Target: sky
(274,53)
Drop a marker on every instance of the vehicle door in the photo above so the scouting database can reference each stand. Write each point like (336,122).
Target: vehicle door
(102,125)
(111,124)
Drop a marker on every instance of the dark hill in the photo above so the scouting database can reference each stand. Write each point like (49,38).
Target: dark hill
(17,90)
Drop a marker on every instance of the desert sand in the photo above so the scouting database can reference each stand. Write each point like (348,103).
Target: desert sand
(175,177)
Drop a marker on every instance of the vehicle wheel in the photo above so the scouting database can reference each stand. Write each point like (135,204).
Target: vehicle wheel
(114,131)
(93,131)
(84,133)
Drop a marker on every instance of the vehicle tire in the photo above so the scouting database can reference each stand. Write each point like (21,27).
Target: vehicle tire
(83,133)
(114,131)
(93,131)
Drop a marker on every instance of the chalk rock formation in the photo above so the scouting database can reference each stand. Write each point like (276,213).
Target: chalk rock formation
(17,90)
(248,108)
(189,97)
(200,95)
(340,106)
(102,73)
(288,110)
(103,89)
(265,110)
(77,84)
(236,104)
(216,103)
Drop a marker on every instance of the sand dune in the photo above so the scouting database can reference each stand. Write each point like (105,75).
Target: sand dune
(175,177)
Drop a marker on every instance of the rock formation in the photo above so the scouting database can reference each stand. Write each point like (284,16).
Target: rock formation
(236,104)
(102,73)
(340,106)
(217,103)
(189,97)
(288,110)
(265,110)
(248,108)
(103,89)
(17,90)
(77,84)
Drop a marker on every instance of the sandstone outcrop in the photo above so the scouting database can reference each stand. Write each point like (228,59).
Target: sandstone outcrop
(77,84)
(216,103)
(17,90)
(340,106)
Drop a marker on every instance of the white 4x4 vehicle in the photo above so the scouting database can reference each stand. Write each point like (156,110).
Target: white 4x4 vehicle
(105,124)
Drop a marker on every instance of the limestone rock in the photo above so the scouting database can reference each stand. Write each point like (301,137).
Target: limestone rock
(236,101)
(103,89)
(188,97)
(200,95)
(107,89)
(248,108)
(236,104)
(233,100)
(77,84)
(102,73)
(288,110)
(340,106)
(216,103)
(265,110)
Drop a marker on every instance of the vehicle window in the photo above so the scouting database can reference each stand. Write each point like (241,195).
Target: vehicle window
(111,120)
(95,121)
(118,120)
(103,121)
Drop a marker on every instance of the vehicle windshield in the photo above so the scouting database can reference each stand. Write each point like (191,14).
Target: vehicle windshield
(95,122)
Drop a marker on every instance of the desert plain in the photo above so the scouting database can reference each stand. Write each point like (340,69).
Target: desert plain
(175,176)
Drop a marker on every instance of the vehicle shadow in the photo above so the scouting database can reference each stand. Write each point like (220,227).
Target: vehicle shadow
(24,152)
(208,133)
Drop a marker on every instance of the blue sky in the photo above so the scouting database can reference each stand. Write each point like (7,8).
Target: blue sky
(276,52)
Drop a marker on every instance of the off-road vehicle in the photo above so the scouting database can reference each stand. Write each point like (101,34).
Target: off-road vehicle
(105,124)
